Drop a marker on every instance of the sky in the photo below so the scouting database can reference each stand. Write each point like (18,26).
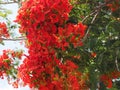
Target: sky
(11,45)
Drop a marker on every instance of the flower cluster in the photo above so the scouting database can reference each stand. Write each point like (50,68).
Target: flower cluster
(5,63)
(114,5)
(45,24)
(3,30)
(107,78)
(8,63)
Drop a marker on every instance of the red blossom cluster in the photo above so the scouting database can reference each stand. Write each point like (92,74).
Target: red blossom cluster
(107,78)
(114,5)
(16,54)
(45,24)
(7,65)
(3,30)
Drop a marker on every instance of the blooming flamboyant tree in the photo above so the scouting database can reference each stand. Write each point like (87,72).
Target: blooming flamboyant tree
(72,45)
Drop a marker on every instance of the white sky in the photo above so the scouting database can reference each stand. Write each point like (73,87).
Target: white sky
(11,45)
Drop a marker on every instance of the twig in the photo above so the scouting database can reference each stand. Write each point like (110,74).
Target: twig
(116,60)
(96,9)
(88,30)
(9,2)
(84,19)
(19,39)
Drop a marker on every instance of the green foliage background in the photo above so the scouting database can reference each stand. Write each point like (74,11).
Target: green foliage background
(102,37)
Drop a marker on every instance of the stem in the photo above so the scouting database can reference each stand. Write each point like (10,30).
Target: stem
(88,30)
(96,9)
(14,1)
(4,39)
(116,60)
(7,2)
(92,13)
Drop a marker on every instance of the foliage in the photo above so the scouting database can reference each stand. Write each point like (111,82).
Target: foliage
(69,41)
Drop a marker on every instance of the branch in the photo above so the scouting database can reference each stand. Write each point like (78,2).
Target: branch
(116,60)
(84,19)
(19,39)
(96,12)
(9,2)
(88,30)
(96,9)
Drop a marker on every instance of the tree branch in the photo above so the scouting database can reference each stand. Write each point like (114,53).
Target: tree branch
(84,19)
(19,39)
(96,9)
(9,2)
(116,59)
(88,30)
(96,12)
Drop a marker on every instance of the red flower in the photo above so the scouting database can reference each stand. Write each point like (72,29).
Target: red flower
(44,21)
(115,5)
(3,30)
(107,80)
(93,54)
(43,88)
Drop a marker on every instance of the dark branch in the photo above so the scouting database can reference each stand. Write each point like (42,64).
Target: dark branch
(19,39)
(95,12)
(88,30)
(116,60)
(9,2)
(98,8)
